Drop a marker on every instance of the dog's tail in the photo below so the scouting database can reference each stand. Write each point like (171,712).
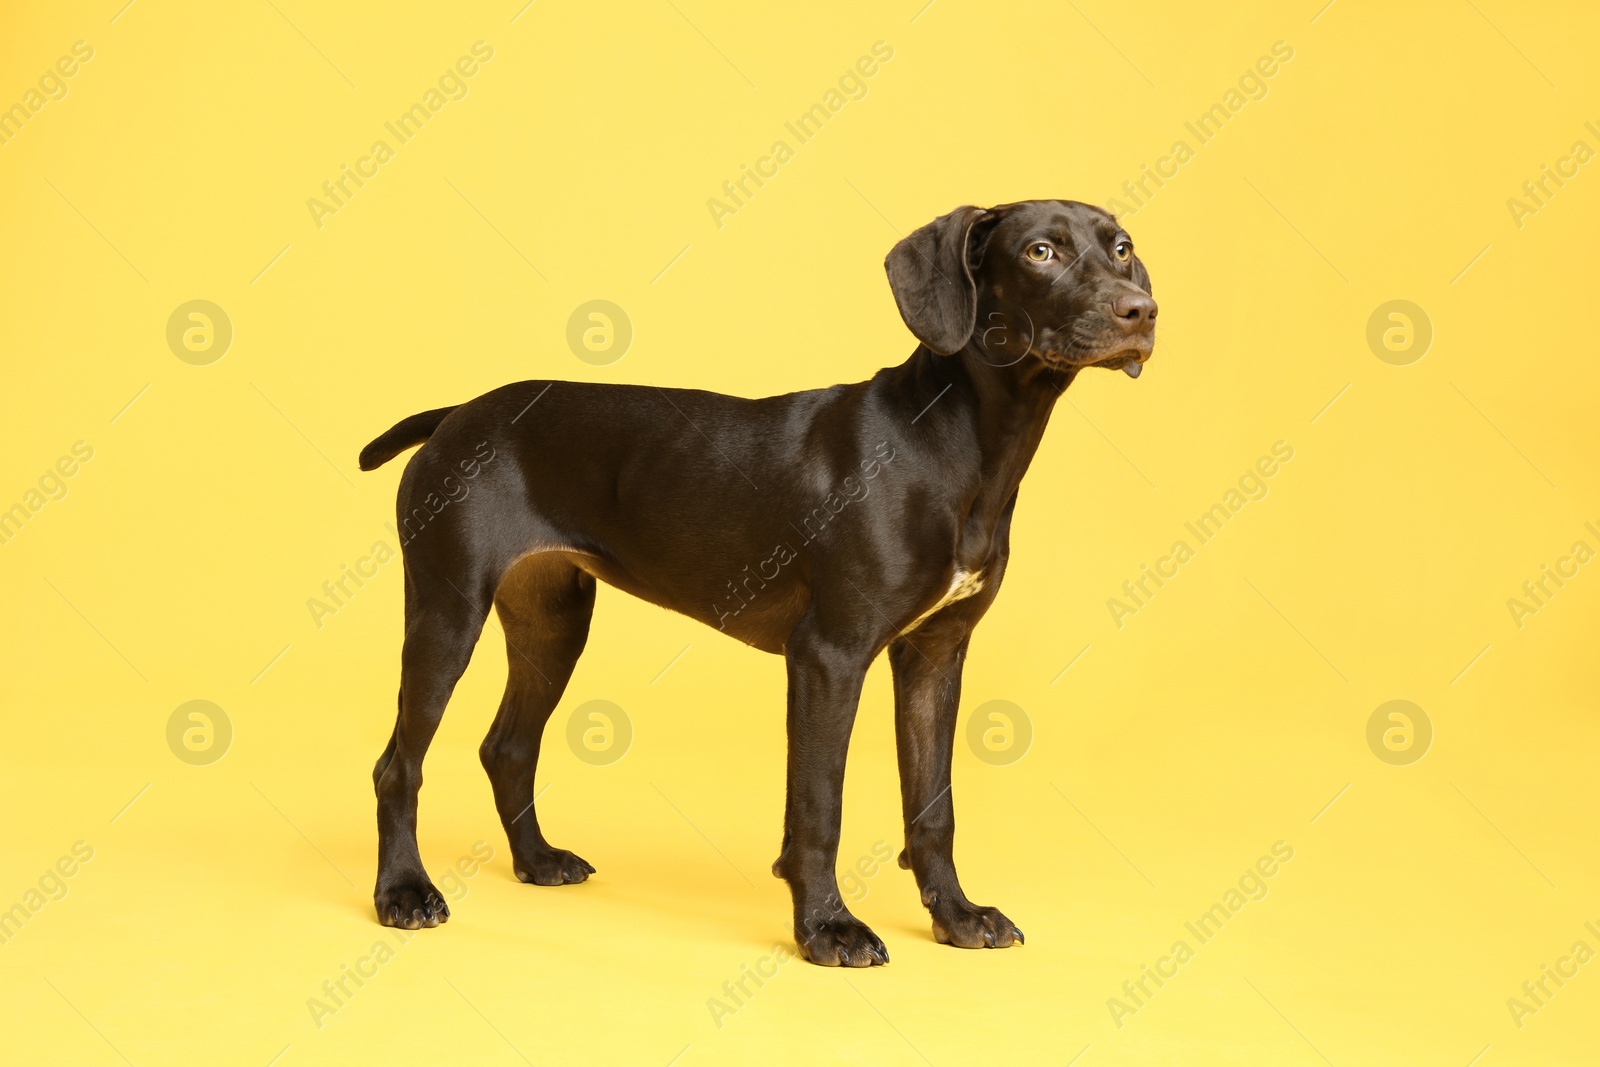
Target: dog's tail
(409,431)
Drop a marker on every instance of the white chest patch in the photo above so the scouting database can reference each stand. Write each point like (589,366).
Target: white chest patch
(963,585)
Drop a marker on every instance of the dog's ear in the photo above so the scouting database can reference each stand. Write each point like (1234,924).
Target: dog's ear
(931,275)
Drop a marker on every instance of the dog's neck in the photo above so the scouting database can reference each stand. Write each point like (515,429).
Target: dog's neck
(1007,408)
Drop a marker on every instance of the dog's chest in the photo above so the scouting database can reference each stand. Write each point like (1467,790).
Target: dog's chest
(962,585)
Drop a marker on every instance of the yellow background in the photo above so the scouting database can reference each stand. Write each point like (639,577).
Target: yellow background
(1223,717)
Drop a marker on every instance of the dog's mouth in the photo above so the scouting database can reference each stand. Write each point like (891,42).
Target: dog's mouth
(1131,364)
(1127,354)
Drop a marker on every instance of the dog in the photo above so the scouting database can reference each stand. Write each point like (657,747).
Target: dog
(823,526)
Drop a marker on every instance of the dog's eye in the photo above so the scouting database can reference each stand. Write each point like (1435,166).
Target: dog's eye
(1123,250)
(1041,253)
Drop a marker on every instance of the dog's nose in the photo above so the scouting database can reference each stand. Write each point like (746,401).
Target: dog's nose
(1136,311)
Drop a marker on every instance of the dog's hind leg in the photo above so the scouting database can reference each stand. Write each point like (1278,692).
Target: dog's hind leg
(545,604)
(443,620)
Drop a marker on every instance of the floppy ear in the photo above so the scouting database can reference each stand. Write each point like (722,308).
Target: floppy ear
(932,282)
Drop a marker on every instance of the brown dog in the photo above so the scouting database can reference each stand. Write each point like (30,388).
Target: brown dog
(823,526)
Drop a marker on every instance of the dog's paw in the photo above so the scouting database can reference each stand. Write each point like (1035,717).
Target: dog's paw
(842,942)
(552,866)
(967,925)
(411,905)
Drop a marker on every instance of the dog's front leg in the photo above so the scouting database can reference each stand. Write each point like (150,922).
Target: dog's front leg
(927,694)
(824,688)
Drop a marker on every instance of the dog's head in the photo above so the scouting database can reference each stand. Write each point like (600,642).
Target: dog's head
(1049,280)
